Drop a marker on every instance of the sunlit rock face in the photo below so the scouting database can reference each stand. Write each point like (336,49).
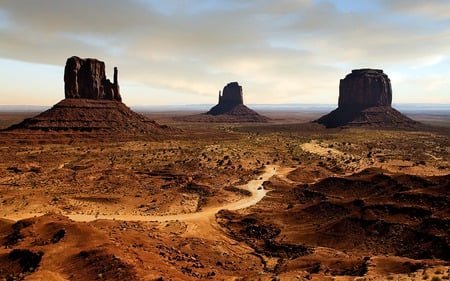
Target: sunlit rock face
(86,79)
(93,108)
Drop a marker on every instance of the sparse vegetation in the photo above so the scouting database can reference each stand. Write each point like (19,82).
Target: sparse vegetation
(381,184)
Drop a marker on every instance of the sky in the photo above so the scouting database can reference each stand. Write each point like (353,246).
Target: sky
(185,51)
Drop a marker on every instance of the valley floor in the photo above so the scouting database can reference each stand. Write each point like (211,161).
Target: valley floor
(286,200)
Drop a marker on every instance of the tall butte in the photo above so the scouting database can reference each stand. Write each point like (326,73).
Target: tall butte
(365,98)
(92,104)
(231,106)
(85,78)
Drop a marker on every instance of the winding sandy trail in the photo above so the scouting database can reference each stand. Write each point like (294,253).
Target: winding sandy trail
(206,213)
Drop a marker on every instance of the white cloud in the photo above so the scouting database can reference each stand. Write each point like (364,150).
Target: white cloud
(283,51)
(439,9)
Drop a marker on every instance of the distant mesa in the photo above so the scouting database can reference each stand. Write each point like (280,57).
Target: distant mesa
(230,109)
(230,98)
(231,106)
(92,104)
(365,98)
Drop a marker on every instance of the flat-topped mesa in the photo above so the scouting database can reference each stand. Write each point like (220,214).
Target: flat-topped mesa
(86,79)
(365,98)
(365,88)
(231,95)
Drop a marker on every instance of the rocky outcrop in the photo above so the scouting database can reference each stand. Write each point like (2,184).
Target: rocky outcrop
(228,99)
(365,88)
(365,98)
(375,116)
(231,107)
(232,94)
(93,106)
(86,79)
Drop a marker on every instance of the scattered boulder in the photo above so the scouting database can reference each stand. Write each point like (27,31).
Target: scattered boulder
(58,236)
(365,98)
(100,264)
(27,259)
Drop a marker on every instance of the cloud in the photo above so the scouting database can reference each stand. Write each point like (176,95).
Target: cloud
(283,51)
(436,9)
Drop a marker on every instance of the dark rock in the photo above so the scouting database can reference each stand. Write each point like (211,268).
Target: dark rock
(260,231)
(365,88)
(14,169)
(58,236)
(92,105)
(199,189)
(28,260)
(88,115)
(85,78)
(231,107)
(358,268)
(232,94)
(14,237)
(285,250)
(365,98)
(379,116)
(100,261)
(231,98)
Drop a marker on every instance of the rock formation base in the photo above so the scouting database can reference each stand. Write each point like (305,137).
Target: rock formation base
(238,113)
(87,115)
(379,116)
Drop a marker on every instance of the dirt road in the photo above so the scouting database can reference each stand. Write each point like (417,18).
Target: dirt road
(254,186)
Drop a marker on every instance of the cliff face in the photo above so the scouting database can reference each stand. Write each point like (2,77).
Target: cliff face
(365,88)
(92,105)
(365,98)
(86,79)
(231,95)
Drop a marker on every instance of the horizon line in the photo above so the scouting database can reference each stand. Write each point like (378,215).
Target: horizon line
(212,104)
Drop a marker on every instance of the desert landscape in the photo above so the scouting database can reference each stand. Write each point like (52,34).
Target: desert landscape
(224,140)
(338,204)
(124,198)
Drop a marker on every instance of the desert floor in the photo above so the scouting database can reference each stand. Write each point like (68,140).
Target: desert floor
(284,200)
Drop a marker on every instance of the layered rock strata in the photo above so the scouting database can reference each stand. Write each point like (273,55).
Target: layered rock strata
(92,104)
(365,88)
(365,98)
(86,78)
